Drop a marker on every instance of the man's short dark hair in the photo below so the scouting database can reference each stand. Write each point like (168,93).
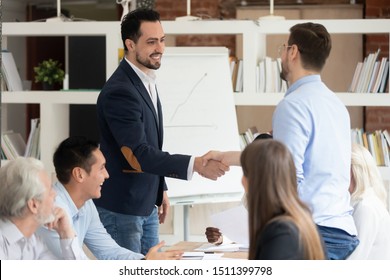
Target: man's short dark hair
(76,151)
(314,44)
(131,23)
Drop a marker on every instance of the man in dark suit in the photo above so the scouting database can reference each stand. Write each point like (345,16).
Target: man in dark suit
(134,199)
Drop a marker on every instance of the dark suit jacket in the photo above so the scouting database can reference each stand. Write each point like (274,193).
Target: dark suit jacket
(131,139)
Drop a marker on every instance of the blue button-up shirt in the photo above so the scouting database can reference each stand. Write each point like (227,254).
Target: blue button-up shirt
(89,229)
(315,126)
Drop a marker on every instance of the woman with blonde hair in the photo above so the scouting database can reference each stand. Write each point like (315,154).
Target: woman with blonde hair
(280,224)
(368,198)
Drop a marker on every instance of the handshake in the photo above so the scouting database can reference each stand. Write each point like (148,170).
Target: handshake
(214,164)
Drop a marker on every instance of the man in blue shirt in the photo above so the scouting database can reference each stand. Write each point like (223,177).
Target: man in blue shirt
(315,126)
(81,171)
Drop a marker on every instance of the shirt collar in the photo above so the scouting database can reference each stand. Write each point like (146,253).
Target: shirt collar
(11,231)
(302,81)
(73,211)
(150,77)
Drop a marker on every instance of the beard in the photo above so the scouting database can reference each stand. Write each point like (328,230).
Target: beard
(45,219)
(147,62)
(283,73)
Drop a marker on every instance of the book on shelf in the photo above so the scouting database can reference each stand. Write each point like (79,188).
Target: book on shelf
(355,78)
(240,76)
(252,134)
(357,136)
(232,63)
(370,71)
(387,136)
(268,76)
(379,77)
(385,149)
(385,78)
(371,75)
(376,142)
(10,73)
(282,83)
(365,142)
(363,73)
(379,149)
(12,144)
(33,146)
(234,72)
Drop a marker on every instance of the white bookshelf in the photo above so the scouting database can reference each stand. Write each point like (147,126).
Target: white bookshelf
(55,105)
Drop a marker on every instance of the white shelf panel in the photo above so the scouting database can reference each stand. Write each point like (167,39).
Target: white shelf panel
(334,26)
(113,27)
(85,28)
(349,99)
(209,27)
(93,28)
(53,97)
(365,99)
(257,99)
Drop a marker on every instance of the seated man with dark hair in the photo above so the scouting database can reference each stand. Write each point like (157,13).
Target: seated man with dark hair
(81,171)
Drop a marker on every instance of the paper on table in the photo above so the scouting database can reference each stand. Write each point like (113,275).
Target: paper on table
(193,255)
(233,223)
(201,256)
(218,248)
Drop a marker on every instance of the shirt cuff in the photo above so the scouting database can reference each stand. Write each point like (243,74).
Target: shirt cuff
(71,249)
(190,170)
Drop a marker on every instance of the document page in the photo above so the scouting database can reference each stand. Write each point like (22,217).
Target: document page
(233,223)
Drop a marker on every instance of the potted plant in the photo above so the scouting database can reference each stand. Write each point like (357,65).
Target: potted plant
(49,72)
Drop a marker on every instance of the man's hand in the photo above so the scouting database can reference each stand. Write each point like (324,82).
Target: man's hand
(164,208)
(228,158)
(154,254)
(61,224)
(214,235)
(212,170)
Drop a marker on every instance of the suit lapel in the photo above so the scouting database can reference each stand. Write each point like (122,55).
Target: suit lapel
(160,122)
(141,89)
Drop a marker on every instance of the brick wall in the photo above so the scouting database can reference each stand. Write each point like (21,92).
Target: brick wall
(214,9)
(377,117)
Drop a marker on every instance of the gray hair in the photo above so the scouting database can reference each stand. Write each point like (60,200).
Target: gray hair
(19,182)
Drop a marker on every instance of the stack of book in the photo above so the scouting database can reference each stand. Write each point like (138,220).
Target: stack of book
(252,134)
(248,136)
(371,75)
(13,144)
(377,142)
(268,76)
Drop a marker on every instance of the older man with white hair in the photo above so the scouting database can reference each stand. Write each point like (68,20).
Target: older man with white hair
(26,203)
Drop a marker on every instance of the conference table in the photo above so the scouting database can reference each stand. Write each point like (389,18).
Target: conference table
(188,246)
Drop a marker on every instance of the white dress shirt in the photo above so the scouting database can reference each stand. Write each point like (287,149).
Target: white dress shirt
(373,225)
(15,246)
